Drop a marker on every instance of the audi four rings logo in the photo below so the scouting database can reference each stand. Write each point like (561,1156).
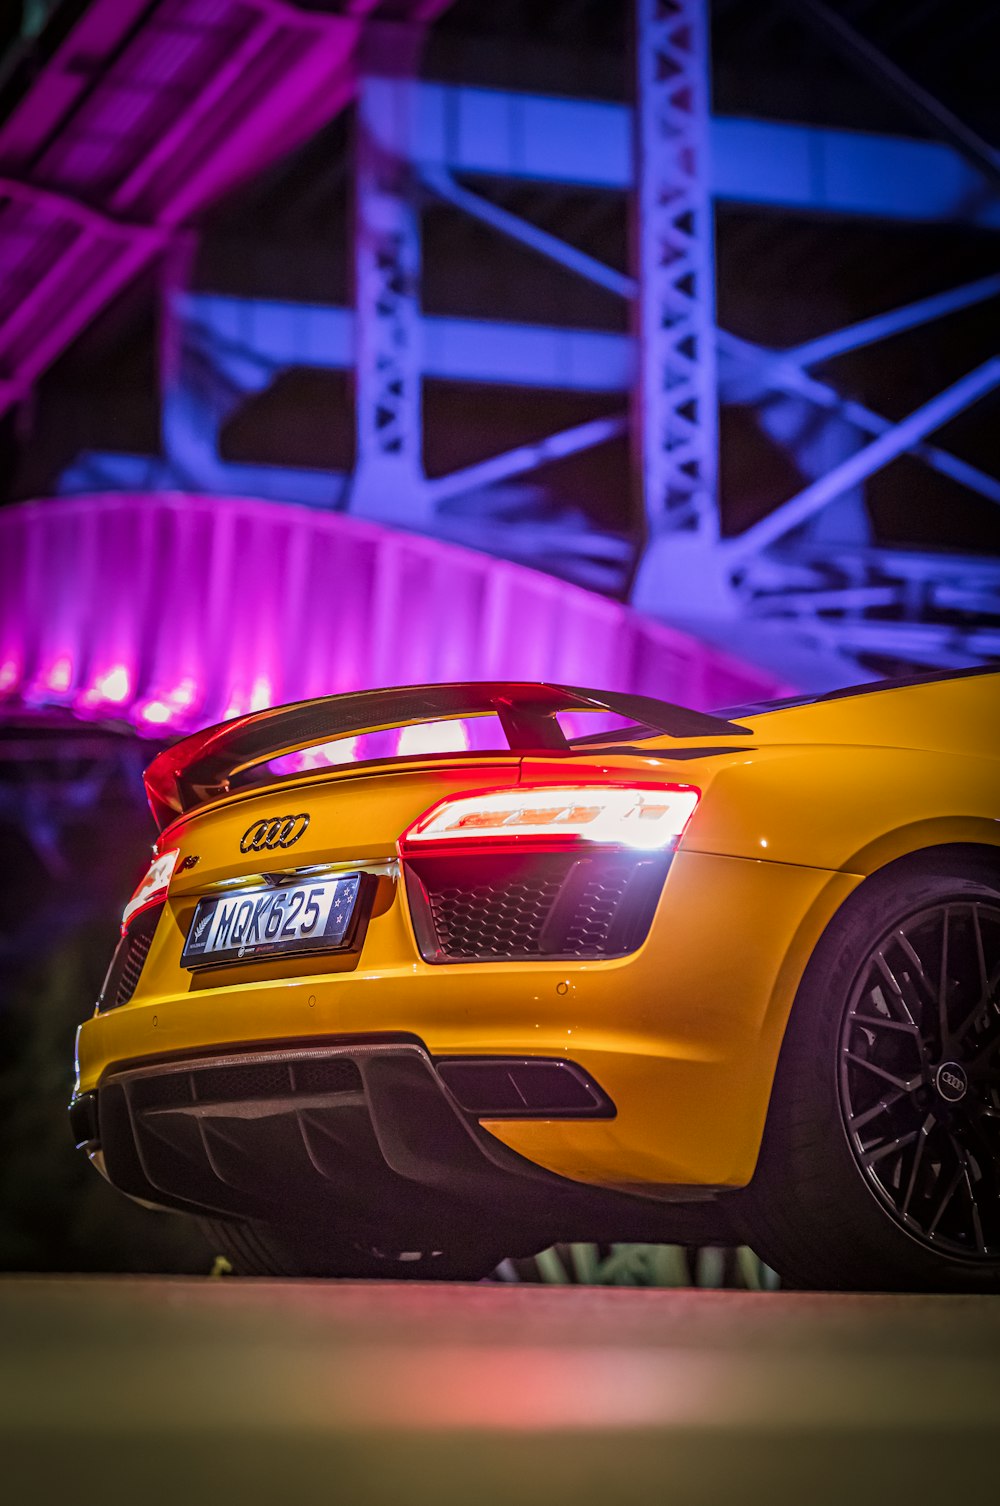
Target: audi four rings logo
(273,831)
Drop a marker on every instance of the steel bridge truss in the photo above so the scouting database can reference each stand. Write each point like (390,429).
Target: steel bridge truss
(809,571)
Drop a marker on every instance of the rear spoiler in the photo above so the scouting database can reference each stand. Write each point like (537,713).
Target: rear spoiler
(199,768)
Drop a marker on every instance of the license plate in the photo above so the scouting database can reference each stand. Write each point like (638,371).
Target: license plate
(250,924)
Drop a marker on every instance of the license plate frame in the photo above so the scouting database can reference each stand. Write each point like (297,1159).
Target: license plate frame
(343,919)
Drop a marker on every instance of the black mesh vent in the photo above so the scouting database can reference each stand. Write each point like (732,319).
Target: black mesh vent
(333,1076)
(275,1079)
(257,1080)
(136,951)
(247,1082)
(596,912)
(167,1090)
(493,920)
(554,905)
(129,960)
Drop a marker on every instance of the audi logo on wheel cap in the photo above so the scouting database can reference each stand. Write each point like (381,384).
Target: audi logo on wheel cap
(272,832)
(952,1081)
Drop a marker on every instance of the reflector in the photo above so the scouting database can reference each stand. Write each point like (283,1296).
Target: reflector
(648,817)
(152,887)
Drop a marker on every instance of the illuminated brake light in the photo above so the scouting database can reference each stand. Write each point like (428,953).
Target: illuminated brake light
(152,888)
(647,817)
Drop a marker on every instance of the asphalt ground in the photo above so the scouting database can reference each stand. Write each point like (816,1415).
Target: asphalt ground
(151,1390)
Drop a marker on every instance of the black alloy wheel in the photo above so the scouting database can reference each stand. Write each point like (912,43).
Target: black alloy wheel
(919,1076)
(880,1163)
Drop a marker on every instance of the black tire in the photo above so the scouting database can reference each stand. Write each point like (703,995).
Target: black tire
(880,1164)
(259,1249)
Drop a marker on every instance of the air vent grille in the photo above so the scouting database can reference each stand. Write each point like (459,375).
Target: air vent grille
(485,907)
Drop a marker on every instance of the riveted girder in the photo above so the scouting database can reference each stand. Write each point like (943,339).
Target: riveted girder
(676,405)
(388,480)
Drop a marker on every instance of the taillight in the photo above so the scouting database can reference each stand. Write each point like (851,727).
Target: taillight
(643,817)
(152,888)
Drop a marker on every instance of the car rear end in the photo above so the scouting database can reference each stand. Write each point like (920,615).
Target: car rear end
(492,978)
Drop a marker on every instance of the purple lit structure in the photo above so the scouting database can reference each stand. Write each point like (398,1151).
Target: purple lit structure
(141,115)
(173,612)
(145,115)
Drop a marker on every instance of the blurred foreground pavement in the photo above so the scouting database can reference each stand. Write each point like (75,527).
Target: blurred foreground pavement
(152,1390)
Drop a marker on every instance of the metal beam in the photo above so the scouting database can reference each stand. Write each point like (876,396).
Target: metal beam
(675,412)
(898,439)
(35,312)
(251,340)
(818,169)
(515,228)
(920,643)
(923,105)
(64,206)
(388,482)
(233,330)
(588,143)
(767,371)
(527,457)
(893,322)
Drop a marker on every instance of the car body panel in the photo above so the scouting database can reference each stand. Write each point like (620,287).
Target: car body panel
(844,808)
(953,714)
(686,1053)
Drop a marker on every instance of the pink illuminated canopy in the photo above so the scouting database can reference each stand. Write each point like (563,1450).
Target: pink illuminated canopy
(175,612)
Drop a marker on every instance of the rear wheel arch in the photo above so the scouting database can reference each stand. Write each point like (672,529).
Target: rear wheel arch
(959,860)
(935,840)
(948,860)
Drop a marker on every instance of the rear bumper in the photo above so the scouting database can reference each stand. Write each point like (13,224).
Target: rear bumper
(683,1034)
(362,1132)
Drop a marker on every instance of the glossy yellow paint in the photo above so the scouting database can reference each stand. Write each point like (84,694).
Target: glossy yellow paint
(684,1034)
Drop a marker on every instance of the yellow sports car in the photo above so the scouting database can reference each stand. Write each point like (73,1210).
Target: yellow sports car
(420,978)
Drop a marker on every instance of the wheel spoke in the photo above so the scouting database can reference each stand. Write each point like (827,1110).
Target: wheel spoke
(918,1156)
(886,1102)
(905,1084)
(870,1157)
(918,967)
(989,997)
(949,1194)
(943,982)
(895,986)
(984,976)
(983,1056)
(881,1022)
(977,1226)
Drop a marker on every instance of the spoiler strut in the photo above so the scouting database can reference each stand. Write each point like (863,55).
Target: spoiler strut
(198,768)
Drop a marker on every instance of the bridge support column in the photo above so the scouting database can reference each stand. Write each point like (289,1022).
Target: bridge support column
(676,407)
(389,478)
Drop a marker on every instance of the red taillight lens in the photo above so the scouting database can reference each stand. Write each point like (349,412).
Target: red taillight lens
(643,817)
(152,888)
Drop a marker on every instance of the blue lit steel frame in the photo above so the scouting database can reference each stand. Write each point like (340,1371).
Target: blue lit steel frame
(810,564)
(389,479)
(676,402)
